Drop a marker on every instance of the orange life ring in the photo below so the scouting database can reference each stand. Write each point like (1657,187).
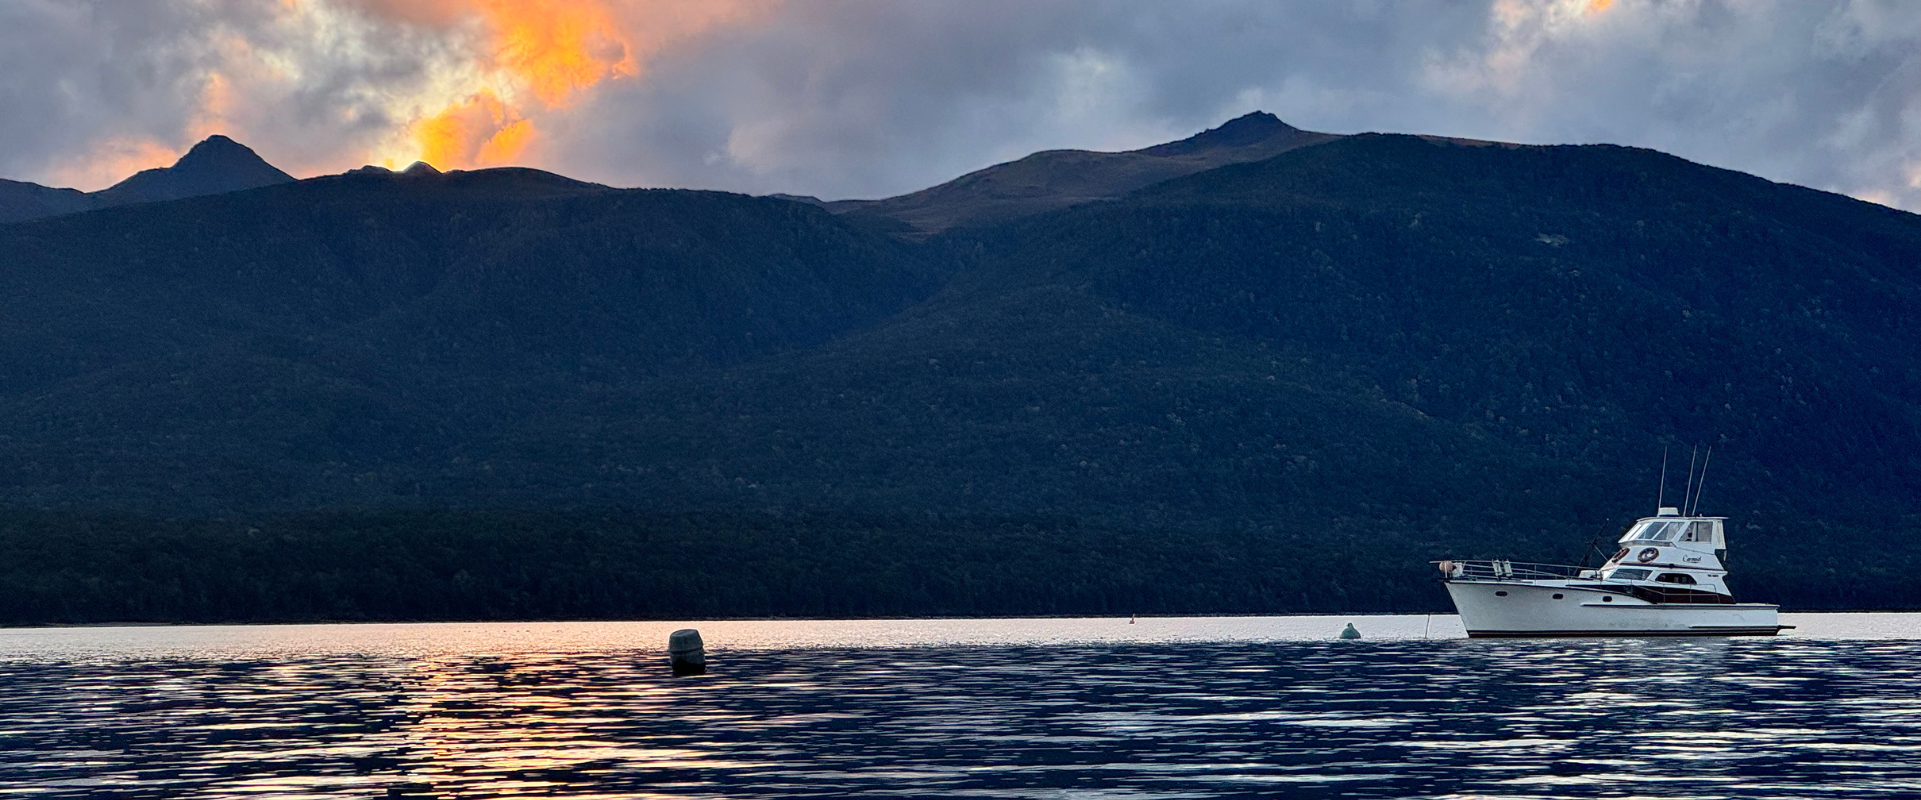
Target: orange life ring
(1647,554)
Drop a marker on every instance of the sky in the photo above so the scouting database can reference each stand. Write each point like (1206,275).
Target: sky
(865,98)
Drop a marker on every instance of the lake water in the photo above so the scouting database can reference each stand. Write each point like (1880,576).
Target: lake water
(1053,708)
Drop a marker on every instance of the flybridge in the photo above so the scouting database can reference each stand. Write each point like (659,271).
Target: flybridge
(1669,530)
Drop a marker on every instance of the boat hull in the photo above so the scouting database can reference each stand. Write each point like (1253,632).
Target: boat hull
(1510,609)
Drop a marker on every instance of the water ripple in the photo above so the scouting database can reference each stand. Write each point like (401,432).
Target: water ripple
(1781,718)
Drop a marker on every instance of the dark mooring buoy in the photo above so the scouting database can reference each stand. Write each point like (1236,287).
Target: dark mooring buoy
(686,652)
(1350,632)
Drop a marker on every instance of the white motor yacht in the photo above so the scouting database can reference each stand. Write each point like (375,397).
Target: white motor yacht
(1667,580)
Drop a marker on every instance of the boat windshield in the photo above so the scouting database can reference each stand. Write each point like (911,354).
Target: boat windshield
(1659,531)
(1625,574)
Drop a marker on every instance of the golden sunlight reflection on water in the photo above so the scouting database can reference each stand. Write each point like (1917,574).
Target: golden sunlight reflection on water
(422,639)
(1217,707)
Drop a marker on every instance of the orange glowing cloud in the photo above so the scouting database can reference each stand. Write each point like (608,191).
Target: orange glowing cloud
(490,73)
(479,131)
(536,56)
(507,143)
(559,48)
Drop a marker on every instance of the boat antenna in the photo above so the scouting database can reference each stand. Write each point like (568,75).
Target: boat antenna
(1593,544)
(1702,481)
(1688,495)
(1661,494)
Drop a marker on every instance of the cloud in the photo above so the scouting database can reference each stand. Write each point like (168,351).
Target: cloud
(478,131)
(867,98)
(516,60)
(75,76)
(1821,95)
(306,84)
(314,85)
(110,161)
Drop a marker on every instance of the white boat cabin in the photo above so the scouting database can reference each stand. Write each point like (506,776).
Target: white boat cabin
(1666,558)
(1669,552)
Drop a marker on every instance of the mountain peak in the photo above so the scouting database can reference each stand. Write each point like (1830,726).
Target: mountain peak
(217,147)
(1248,129)
(214,166)
(1057,178)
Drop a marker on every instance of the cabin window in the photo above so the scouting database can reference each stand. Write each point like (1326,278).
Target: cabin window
(1676,577)
(1607,598)
(1500,594)
(1558,595)
(1631,574)
(1699,532)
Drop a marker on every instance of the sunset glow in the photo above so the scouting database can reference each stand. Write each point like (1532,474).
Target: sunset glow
(113,161)
(470,80)
(869,98)
(481,131)
(539,56)
(558,49)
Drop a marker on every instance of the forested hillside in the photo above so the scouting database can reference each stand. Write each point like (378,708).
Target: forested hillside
(1273,386)
(327,342)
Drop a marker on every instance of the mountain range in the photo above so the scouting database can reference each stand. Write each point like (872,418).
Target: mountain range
(1054,179)
(214,166)
(1256,370)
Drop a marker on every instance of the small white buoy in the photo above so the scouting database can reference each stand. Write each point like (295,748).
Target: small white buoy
(688,654)
(1350,632)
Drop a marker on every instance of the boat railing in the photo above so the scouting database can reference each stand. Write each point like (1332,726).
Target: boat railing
(1501,569)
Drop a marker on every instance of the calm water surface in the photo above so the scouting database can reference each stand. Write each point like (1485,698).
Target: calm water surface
(1224,707)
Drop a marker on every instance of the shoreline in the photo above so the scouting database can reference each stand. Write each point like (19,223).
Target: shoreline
(622,621)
